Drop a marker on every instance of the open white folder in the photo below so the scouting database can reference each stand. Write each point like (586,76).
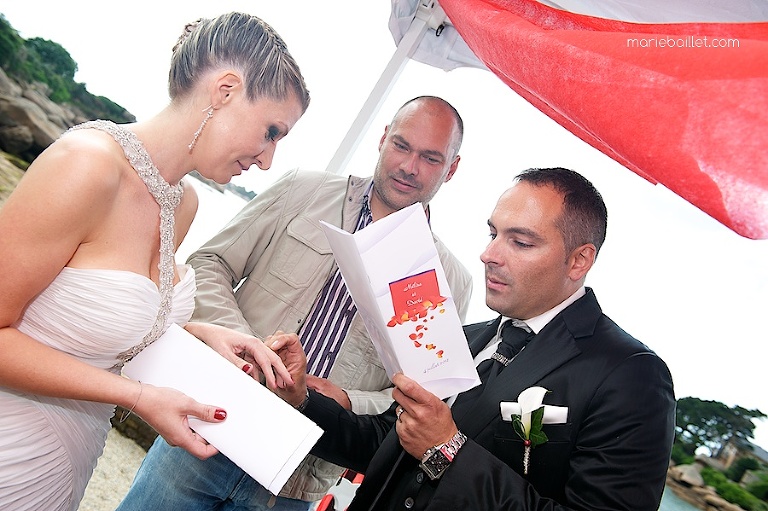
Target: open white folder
(262,434)
(396,279)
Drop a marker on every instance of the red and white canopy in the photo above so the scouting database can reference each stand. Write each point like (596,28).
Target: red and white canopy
(675,91)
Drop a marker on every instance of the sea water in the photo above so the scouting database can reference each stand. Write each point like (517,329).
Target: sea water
(671,502)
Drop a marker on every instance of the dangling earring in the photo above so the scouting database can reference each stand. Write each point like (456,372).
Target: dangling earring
(200,129)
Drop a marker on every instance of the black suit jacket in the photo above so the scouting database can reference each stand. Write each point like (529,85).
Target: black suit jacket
(612,453)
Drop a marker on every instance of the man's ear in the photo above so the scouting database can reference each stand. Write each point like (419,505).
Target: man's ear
(452,170)
(224,86)
(581,260)
(383,137)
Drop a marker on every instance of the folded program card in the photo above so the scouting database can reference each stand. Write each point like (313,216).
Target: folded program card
(262,434)
(396,279)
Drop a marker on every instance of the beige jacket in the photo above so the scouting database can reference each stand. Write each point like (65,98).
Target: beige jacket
(265,269)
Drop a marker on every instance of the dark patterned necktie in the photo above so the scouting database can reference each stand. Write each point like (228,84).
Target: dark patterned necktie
(513,339)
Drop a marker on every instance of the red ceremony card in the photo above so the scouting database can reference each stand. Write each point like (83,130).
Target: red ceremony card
(413,296)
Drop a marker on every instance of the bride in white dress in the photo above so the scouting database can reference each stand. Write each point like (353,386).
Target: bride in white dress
(87,271)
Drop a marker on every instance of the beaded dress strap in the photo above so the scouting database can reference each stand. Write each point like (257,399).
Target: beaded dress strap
(168,198)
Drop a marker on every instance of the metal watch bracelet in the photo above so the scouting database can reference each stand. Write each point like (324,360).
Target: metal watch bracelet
(437,459)
(452,446)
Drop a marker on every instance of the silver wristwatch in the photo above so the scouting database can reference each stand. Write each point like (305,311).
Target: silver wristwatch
(438,458)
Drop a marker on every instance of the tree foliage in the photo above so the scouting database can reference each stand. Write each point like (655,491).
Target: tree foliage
(683,454)
(47,62)
(54,57)
(712,424)
(10,44)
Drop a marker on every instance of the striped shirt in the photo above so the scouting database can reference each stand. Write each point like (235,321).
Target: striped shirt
(330,317)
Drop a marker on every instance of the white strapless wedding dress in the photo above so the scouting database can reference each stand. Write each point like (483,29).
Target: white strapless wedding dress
(49,446)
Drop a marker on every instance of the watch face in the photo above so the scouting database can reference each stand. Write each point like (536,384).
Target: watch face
(435,465)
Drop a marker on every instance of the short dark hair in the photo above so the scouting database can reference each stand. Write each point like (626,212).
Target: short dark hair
(585,217)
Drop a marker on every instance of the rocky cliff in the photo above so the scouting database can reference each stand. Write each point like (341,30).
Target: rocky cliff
(29,122)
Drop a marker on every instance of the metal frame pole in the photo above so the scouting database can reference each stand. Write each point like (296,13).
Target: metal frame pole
(429,13)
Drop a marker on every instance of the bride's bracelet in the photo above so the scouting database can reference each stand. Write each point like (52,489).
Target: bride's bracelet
(125,415)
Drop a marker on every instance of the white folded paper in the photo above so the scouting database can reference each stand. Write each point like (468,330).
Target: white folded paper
(262,434)
(395,277)
(552,414)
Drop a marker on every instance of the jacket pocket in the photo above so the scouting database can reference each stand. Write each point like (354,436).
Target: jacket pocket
(301,254)
(547,461)
(357,366)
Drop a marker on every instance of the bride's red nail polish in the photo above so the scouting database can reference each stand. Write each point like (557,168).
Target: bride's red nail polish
(220,415)
(247,368)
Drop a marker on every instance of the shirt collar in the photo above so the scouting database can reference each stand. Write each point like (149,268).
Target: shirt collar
(366,217)
(537,323)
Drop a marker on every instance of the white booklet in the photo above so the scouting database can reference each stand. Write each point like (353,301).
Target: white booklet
(395,277)
(262,434)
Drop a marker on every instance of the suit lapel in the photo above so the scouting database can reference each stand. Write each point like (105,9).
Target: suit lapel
(480,334)
(552,347)
(544,354)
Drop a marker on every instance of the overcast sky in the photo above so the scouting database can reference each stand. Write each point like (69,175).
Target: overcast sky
(690,288)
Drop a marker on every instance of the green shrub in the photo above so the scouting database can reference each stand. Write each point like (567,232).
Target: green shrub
(683,454)
(731,491)
(713,477)
(736,471)
(759,488)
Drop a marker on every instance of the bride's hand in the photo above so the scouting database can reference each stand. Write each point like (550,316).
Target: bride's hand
(244,351)
(166,410)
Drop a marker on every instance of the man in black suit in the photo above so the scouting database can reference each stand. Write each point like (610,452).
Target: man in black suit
(611,448)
